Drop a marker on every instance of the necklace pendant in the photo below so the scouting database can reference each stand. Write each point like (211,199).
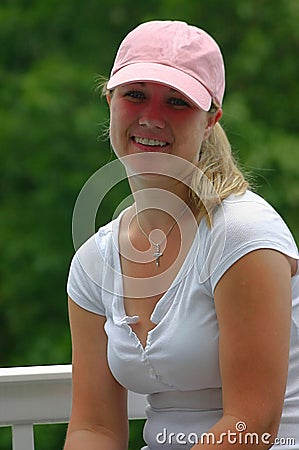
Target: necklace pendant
(158,254)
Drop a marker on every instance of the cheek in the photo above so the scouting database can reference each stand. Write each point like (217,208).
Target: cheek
(121,117)
(117,127)
(194,133)
(192,140)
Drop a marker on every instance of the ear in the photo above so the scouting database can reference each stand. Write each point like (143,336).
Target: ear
(108,98)
(212,120)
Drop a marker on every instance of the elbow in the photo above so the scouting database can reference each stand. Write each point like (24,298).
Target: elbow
(264,427)
(272,426)
(259,428)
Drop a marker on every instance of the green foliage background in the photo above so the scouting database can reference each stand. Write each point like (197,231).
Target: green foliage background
(51,124)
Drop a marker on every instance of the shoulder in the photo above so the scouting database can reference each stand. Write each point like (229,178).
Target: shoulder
(100,250)
(250,218)
(248,208)
(243,223)
(94,267)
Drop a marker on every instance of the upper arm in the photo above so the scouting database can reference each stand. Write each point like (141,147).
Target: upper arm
(99,401)
(253,306)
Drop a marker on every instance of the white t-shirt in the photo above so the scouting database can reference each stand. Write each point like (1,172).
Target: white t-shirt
(179,368)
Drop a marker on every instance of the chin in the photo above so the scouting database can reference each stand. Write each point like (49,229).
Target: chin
(156,164)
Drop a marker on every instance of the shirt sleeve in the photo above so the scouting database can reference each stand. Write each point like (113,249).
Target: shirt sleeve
(241,225)
(82,286)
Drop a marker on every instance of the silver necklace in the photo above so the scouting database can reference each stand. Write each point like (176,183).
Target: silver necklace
(158,252)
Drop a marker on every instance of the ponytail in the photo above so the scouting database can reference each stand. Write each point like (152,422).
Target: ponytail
(218,175)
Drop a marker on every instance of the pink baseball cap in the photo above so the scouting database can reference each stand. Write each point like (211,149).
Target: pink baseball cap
(173,53)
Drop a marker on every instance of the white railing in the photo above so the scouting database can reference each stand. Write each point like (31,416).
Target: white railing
(39,395)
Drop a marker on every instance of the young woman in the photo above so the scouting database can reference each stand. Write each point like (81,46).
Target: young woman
(191,294)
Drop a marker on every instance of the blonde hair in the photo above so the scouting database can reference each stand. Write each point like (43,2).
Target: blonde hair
(218,175)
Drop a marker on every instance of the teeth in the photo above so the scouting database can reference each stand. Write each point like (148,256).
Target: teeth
(150,142)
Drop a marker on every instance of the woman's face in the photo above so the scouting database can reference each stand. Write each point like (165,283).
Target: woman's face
(151,117)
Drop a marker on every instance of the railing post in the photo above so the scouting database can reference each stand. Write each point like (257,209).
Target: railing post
(22,437)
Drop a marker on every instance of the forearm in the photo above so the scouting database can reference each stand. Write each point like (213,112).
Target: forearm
(94,440)
(231,431)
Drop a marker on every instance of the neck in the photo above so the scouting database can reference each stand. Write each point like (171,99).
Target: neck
(160,184)
(158,221)
(159,209)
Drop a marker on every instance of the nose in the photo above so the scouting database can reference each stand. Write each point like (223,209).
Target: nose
(151,116)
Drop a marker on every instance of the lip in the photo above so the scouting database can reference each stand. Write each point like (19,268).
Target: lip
(150,148)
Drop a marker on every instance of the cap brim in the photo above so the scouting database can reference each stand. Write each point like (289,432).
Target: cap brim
(160,73)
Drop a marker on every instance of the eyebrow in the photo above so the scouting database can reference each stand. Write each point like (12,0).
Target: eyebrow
(143,83)
(176,91)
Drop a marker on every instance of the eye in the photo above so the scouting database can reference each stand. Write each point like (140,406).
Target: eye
(135,95)
(178,102)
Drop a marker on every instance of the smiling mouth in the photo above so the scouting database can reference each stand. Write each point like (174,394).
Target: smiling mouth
(149,142)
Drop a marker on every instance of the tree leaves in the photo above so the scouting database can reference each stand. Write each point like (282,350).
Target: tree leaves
(51,119)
